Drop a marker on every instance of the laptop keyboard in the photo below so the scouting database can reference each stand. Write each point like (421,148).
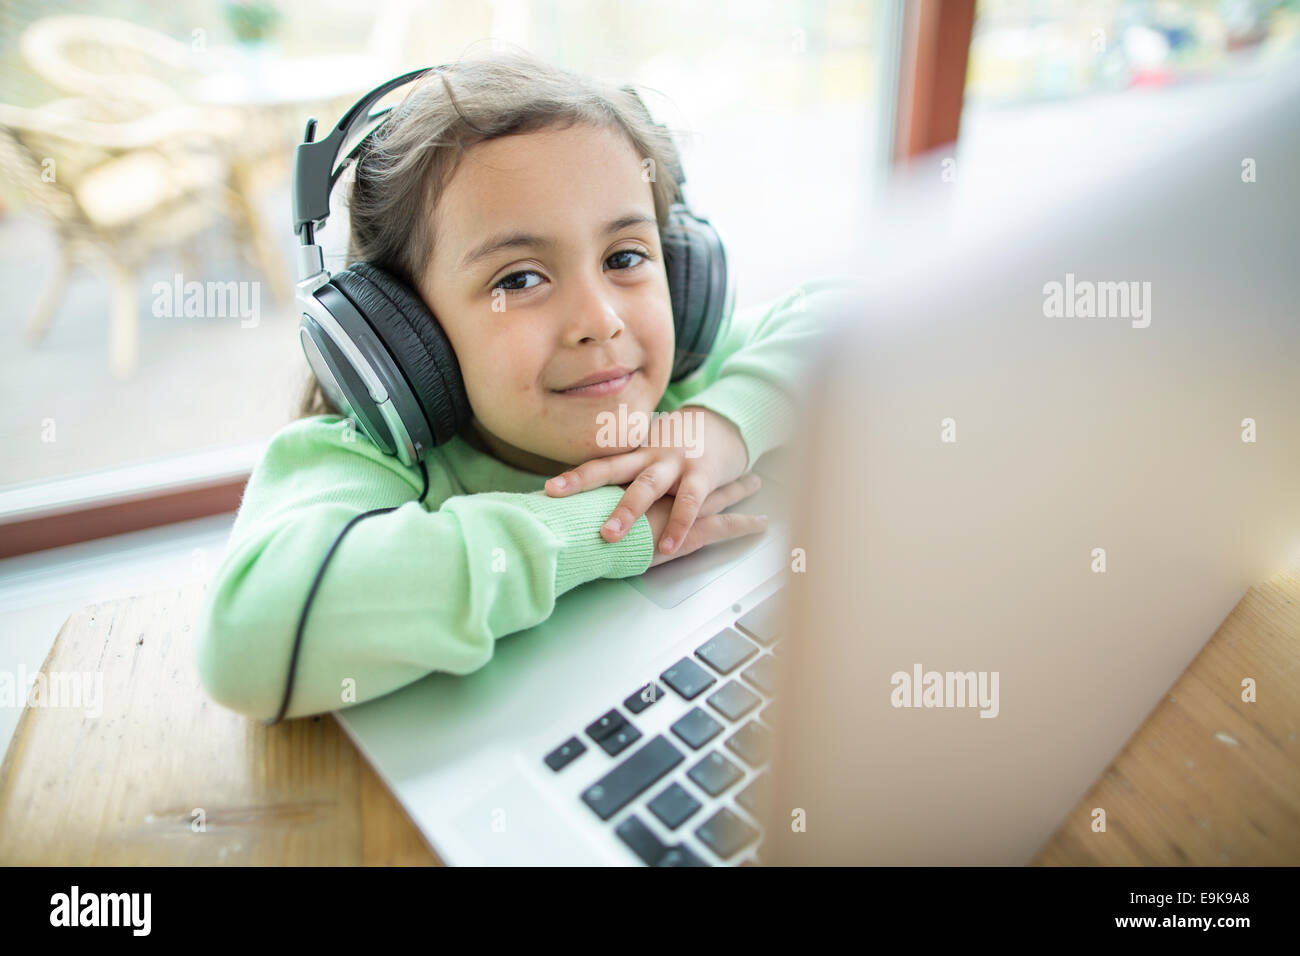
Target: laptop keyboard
(724,693)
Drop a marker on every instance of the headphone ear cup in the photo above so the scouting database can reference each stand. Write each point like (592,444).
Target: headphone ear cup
(417,343)
(696,263)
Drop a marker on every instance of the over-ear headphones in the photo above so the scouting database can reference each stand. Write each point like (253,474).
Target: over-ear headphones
(383,359)
(376,349)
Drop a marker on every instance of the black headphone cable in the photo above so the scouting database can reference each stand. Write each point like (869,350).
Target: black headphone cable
(302,621)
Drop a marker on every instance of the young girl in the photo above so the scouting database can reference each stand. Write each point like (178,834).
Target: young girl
(513,197)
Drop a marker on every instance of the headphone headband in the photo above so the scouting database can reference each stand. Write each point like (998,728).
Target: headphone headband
(318,165)
(315,162)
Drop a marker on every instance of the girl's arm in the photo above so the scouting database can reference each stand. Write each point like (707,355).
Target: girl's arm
(753,374)
(405,593)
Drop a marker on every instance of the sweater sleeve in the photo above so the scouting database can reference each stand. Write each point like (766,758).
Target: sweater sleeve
(405,593)
(752,377)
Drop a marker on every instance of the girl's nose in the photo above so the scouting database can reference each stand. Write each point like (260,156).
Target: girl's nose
(592,312)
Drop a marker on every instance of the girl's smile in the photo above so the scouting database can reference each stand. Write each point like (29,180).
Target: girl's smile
(610,383)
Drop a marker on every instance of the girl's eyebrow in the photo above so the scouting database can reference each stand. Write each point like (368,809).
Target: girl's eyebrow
(527,239)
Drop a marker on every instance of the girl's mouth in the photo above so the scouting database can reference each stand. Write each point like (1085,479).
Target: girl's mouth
(600,389)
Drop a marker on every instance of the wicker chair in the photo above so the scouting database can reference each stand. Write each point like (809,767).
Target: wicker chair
(115,193)
(104,58)
(136,168)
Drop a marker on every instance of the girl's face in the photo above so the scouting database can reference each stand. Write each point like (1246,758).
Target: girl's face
(547,269)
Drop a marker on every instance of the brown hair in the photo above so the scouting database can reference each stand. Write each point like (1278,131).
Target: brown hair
(404,167)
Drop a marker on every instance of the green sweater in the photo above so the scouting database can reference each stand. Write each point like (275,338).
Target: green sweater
(431,586)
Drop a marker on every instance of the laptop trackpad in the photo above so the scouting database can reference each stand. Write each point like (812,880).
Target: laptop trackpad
(672,582)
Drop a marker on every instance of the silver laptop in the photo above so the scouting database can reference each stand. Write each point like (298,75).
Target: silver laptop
(1047,450)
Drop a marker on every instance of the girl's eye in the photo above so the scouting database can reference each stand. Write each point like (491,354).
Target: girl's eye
(621,255)
(517,281)
(511,282)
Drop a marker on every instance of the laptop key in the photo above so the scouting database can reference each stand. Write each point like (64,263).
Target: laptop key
(751,743)
(641,839)
(680,855)
(763,675)
(733,700)
(715,773)
(620,740)
(605,725)
(652,850)
(688,678)
(726,834)
(643,698)
(755,796)
(612,792)
(674,806)
(561,756)
(696,728)
(726,651)
(763,622)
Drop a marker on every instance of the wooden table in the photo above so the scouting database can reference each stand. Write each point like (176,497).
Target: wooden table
(1207,779)
(123,790)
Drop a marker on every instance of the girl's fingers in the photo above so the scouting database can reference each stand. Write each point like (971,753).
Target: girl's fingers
(614,470)
(730,493)
(714,528)
(646,488)
(687,501)
(684,514)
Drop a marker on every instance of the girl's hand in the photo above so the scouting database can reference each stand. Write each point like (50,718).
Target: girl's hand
(650,473)
(711,526)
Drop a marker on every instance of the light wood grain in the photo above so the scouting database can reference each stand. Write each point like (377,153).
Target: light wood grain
(1207,779)
(123,789)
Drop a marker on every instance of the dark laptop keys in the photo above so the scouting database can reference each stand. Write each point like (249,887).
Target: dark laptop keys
(680,855)
(751,743)
(612,732)
(561,756)
(688,678)
(754,797)
(733,700)
(643,842)
(674,806)
(605,725)
(696,728)
(762,622)
(644,697)
(612,792)
(620,740)
(726,651)
(715,773)
(726,834)
(652,850)
(763,675)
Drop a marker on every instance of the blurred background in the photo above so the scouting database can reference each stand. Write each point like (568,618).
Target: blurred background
(153,141)
(145,151)
(145,147)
